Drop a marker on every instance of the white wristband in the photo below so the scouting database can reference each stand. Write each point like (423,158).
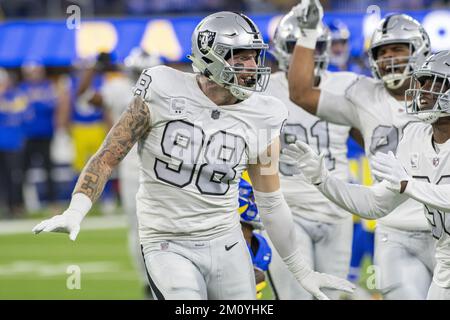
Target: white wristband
(79,206)
(308,38)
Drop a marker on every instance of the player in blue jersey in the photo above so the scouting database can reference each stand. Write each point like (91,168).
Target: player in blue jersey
(39,122)
(12,140)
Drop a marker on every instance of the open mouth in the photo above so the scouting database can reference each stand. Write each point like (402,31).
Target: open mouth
(426,101)
(249,81)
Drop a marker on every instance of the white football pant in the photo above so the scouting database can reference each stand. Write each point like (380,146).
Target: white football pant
(405,262)
(215,269)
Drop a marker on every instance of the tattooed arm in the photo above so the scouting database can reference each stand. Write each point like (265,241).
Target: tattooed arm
(134,124)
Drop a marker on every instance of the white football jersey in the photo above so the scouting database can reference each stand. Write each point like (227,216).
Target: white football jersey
(303,198)
(117,94)
(368,106)
(423,162)
(194,155)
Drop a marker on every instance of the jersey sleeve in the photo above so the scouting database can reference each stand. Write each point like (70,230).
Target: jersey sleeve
(335,103)
(155,86)
(435,196)
(270,128)
(367,202)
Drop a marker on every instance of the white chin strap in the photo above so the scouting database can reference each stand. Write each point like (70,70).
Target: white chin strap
(240,93)
(429,117)
(394,80)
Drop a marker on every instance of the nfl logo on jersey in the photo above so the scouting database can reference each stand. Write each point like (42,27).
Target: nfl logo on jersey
(215,114)
(435,162)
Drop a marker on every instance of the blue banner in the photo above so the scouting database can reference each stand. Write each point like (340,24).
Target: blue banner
(56,43)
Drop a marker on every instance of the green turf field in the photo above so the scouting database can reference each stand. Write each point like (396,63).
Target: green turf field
(41,266)
(35,267)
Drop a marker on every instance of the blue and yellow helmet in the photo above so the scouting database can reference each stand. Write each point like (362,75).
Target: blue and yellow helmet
(247,206)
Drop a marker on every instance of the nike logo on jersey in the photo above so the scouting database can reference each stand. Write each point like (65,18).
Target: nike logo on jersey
(228,248)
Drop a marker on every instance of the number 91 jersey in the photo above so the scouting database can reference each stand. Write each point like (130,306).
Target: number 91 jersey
(193,157)
(303,198)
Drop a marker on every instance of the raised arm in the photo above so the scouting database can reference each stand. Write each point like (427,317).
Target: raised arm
(309,15)
(301,79)
(277,219)
(134,124)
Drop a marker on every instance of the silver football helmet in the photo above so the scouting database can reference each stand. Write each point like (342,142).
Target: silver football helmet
(285,38)
(216,39)
(399,28)
(430,88)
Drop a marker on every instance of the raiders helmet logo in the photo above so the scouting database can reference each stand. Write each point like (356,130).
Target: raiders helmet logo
(205,40)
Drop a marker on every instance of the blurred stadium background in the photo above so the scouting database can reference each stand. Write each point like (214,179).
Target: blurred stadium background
(46,48)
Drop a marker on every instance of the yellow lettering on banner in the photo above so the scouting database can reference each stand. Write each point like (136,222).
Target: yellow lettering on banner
(95,37)
(272,26)
(160,38)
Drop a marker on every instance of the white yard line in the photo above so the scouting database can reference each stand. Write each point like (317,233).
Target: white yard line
(90,223)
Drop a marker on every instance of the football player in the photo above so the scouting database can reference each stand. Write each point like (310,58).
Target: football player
(420,171)
(324,231)
(375,107)
(196,134)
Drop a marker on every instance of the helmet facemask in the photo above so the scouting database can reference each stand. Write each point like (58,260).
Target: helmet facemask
(321,55)
(429,93)
(215,66)
(231,76)
(396,69)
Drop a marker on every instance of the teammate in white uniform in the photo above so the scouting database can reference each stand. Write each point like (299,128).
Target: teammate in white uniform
(324,230)
(421,170)
(375,107)
(196,133)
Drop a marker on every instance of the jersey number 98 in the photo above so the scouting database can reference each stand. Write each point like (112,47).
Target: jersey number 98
(184,142)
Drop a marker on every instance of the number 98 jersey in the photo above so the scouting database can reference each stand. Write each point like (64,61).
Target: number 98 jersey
(193,157)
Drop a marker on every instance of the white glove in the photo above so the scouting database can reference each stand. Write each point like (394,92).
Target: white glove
(68,222)
(388,167)
(303,157)
(309,14)
(313,281)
